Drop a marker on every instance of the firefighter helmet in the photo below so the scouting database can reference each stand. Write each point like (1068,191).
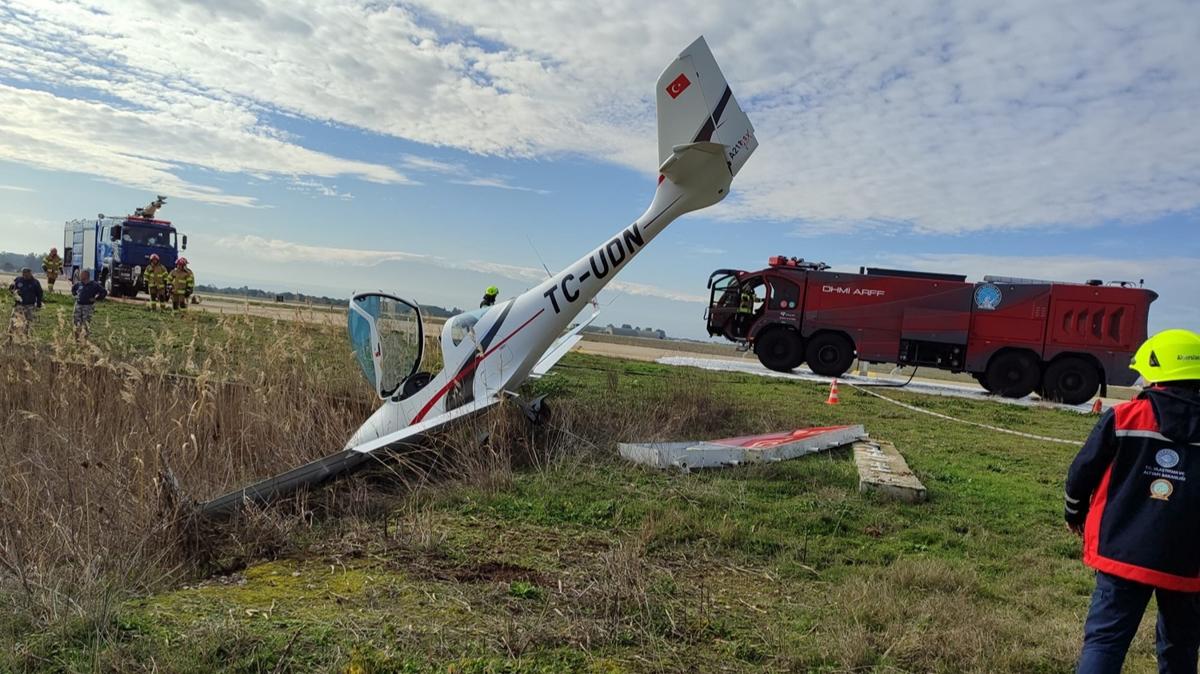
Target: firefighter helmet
(154,257)
(1171,355)
(181,262)
(492,290)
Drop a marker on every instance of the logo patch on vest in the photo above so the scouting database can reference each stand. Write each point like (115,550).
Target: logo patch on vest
(1161,489)
(1167,458)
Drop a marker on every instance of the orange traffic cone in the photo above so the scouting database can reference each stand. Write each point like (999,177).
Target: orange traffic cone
(833,394)
(1097,408)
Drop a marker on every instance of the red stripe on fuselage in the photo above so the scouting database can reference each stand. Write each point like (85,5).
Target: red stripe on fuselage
(468,370)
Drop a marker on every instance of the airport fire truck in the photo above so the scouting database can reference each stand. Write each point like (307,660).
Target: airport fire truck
(1015,336)
(115,250)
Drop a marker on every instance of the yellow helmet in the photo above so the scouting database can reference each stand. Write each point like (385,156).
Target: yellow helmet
(1171,355)
(492,290)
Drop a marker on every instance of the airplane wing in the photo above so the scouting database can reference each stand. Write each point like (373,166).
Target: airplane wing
(560,348)
(318,471)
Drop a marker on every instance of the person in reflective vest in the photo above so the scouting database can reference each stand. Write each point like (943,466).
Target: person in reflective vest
(745,312)
(1133,494)
(182,283)
(52,265)
(156,282)
(746,302)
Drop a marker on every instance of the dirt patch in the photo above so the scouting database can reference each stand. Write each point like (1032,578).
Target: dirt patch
(494,572)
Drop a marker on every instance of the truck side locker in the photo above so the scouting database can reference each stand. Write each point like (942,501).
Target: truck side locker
(1101,332)
(935,337)
(1016,320)
(88,261)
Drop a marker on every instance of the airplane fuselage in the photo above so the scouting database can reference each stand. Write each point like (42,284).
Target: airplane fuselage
(497,352)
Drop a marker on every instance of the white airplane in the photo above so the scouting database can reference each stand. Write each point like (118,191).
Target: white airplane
(704,138)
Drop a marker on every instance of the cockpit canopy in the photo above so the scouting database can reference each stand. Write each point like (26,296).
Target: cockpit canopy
(461,328)
(387,338)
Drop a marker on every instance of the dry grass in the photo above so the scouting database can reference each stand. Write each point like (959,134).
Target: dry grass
(99,458)
(103,454)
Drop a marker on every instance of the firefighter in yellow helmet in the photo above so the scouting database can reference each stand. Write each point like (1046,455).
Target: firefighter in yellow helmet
(52,265)
(1131,493)
(156,282)
(489,296)
(745,311)
(182,283)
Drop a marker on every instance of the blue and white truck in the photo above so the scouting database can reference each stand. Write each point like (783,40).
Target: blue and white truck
(115,250)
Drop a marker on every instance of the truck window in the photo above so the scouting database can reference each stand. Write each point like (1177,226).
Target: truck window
(784,294)
(147,236)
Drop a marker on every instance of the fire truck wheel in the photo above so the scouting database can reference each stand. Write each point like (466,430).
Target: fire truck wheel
(779,350)
(829,354)
(1071,380)
(981,377)
(1013,374)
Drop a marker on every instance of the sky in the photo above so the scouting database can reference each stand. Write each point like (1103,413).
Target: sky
(432,148)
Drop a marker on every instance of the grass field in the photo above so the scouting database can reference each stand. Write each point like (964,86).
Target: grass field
(536,551)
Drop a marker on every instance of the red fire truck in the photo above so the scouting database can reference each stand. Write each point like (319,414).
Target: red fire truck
(1015,336)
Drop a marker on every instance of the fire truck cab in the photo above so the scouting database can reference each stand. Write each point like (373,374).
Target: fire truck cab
(1015,336)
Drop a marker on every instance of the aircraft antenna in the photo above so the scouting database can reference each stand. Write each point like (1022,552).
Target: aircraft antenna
(539,256)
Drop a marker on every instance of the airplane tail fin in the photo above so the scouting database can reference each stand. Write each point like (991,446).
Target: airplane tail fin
(696,105)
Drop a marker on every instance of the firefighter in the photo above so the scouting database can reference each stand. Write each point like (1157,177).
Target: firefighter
(156,283)
(1131,493)
(87,292)
(182,283)
(52,265)
(489,296)
(745,311)
(28,292)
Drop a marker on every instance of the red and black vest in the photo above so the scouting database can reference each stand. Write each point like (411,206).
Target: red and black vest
(1136,487)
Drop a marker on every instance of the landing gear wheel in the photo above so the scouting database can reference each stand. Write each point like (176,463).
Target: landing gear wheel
(537,411)
(779,350)
(1013,374)
(829,354)
(1071,380)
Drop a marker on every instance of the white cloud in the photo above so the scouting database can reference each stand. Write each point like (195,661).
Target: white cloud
(16,188)
(939,117)
(498,182)
(277,250)
(463,175)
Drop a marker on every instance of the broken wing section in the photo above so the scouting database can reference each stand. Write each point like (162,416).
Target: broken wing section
(561,347)
(334,465)
(696,105)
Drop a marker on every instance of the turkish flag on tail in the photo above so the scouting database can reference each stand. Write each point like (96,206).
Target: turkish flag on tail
(677,86)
